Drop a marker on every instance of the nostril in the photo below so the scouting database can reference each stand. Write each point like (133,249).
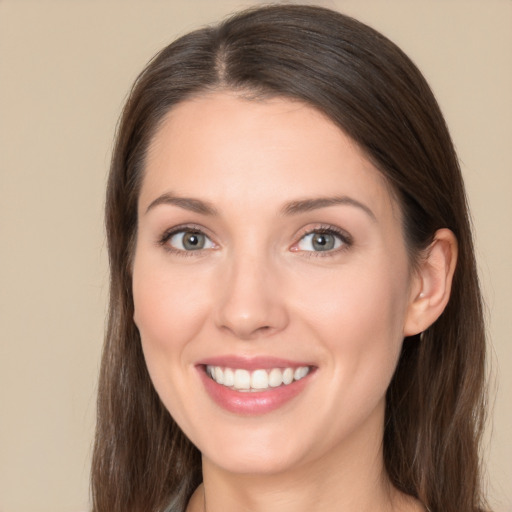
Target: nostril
(248,307)
(247,331)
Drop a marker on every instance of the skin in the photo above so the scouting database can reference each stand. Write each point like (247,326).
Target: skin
(260,289)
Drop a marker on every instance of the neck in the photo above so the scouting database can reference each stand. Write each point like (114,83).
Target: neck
(299,491)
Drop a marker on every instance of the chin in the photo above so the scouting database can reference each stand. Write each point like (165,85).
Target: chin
(254,461)
(259,451)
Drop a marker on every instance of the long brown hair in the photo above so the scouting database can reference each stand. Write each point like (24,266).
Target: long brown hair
(370,89)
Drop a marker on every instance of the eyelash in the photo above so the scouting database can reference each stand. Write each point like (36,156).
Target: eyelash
(343,236)
(187,228)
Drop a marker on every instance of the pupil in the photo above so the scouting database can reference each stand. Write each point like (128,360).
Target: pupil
(323,242)
(193,241)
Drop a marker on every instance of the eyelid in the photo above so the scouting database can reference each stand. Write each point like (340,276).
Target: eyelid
(341,234)
(183,228)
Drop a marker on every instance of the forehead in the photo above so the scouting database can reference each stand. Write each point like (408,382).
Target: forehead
(233,151)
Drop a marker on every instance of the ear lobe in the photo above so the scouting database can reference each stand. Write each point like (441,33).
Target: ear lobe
(432,283)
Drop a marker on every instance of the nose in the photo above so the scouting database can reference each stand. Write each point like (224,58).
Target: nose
(250,300)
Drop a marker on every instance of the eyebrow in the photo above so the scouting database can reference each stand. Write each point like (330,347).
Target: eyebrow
(308,205)
(291,208)
(193,205)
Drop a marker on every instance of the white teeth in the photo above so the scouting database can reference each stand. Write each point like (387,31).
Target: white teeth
(275,377)
(259,379)
(219,375)
(243,380)
(288,376)
(300,372)
(229,377)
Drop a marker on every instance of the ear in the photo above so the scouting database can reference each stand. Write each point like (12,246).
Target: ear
(432,283)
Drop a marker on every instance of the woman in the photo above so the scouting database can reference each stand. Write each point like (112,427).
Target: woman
(295,313)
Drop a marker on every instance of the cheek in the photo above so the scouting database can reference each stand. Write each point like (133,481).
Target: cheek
(165,301)
(359,317)
(169,311)
(357,300)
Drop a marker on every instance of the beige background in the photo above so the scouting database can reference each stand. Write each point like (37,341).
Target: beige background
(65,68)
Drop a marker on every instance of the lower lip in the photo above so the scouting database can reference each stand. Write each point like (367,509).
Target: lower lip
(252,402)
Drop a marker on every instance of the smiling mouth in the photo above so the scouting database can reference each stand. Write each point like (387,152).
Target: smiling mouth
(257,380)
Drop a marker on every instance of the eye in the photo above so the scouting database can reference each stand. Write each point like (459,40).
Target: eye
(188,240)
(321,241)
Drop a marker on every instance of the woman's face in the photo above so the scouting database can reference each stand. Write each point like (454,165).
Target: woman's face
(270,255)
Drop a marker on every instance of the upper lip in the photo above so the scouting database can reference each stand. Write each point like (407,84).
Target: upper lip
(251,363)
